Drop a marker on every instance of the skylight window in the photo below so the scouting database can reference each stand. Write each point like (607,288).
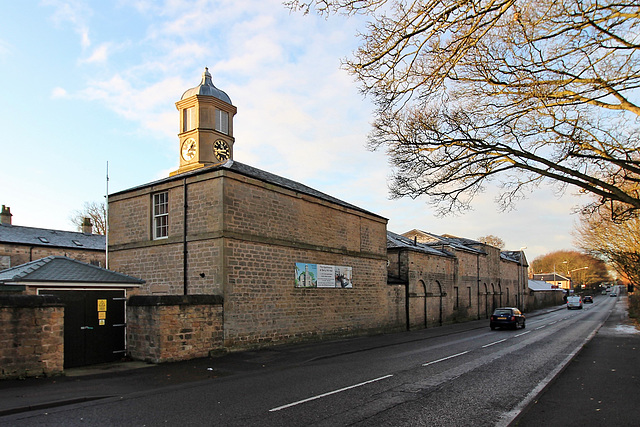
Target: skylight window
(43,239)
(77,243)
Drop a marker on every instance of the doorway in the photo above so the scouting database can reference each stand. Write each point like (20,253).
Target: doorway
(94,325)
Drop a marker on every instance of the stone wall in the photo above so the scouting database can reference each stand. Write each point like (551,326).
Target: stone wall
(20,254)
(457,287)
(243,239)
(536,300)
(31,336)
(172,328)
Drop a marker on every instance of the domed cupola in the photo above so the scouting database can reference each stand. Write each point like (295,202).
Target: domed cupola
(206,87)
(206,126)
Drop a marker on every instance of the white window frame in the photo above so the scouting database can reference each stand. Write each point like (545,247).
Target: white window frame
(161,215)
(189,119)
(222,121)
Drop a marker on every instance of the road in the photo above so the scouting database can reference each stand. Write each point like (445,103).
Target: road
(476,377)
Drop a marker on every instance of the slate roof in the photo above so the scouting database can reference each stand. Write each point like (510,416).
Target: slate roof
(259,174)
(63,269)
(541,285)
(398,241)
(458,243)
(515,256)
(550,277)
(31,236)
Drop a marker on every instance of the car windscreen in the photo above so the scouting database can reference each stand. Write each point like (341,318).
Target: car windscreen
(502,313)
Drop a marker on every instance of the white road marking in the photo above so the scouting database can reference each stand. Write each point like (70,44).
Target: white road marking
(524,333)
(506,419)
(328,394)
(445,358)
(493,343)
(540,327)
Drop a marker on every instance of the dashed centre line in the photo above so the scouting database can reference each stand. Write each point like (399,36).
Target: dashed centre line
(445,358)
(328,393)
(493,343)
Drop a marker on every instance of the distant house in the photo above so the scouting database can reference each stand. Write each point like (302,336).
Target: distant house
(554,279)
(19,245)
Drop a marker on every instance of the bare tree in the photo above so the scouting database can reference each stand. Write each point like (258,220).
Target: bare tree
(514,92)
(617,242)
(571,264)
(492,240)
(96,212)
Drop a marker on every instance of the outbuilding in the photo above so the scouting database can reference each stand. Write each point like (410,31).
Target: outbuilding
(94,304)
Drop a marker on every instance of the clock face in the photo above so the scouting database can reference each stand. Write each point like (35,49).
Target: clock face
(221,150)
(189,149)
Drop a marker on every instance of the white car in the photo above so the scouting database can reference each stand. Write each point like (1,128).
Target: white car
(574,301)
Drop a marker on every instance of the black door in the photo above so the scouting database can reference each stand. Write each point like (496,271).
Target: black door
(94,327)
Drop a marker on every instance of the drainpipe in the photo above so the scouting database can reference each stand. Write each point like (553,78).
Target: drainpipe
(406,295)
(184,237)
(478,281)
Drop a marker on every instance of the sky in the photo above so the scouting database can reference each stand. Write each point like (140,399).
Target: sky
(84,84)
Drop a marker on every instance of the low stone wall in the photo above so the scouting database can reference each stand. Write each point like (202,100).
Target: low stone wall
(31,336)
(543,299)
(168,328)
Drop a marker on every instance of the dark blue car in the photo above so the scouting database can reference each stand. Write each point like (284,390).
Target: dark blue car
(507,317)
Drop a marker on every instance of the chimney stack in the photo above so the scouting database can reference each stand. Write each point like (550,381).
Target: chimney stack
(5,215)
(87,227)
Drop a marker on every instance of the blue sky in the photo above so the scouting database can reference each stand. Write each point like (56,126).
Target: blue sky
(84,83)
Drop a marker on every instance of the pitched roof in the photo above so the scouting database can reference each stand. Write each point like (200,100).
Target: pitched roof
(550,277)
(398,241)
(541,285)
(54,238)
(259,174)
(63,269)
(457,243)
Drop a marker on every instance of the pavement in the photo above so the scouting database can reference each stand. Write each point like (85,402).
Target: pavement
(576,394)
(601,384)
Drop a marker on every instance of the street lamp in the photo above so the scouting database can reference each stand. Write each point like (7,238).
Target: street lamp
(569,274)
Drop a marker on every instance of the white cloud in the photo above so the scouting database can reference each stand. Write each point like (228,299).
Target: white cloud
(75,12)
(99,54)
(58,92)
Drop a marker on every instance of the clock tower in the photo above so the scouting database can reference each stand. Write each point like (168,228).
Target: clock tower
(206,126)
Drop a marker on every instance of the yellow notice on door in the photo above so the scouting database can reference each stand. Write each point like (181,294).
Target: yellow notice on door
(102,315)
(102,305)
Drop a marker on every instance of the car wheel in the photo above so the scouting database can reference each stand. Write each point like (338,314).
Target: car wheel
(493,328)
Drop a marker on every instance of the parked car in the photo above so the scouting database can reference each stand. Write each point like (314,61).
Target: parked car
(574,301)
(504,317)
(587,299)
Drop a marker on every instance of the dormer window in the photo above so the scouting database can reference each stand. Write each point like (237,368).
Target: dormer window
(188,119)
(222,121)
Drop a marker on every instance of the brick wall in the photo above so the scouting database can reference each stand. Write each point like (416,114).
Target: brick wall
(31,336)
(172,328)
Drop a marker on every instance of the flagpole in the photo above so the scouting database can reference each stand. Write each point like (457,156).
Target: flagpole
(106,227)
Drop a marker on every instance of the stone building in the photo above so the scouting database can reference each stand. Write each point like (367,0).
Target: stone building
(19,245)
(219,227)
(450,279)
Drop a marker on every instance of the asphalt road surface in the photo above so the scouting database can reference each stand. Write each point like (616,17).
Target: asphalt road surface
(473,377)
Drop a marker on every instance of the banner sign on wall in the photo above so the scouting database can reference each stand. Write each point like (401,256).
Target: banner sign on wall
(322,276)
